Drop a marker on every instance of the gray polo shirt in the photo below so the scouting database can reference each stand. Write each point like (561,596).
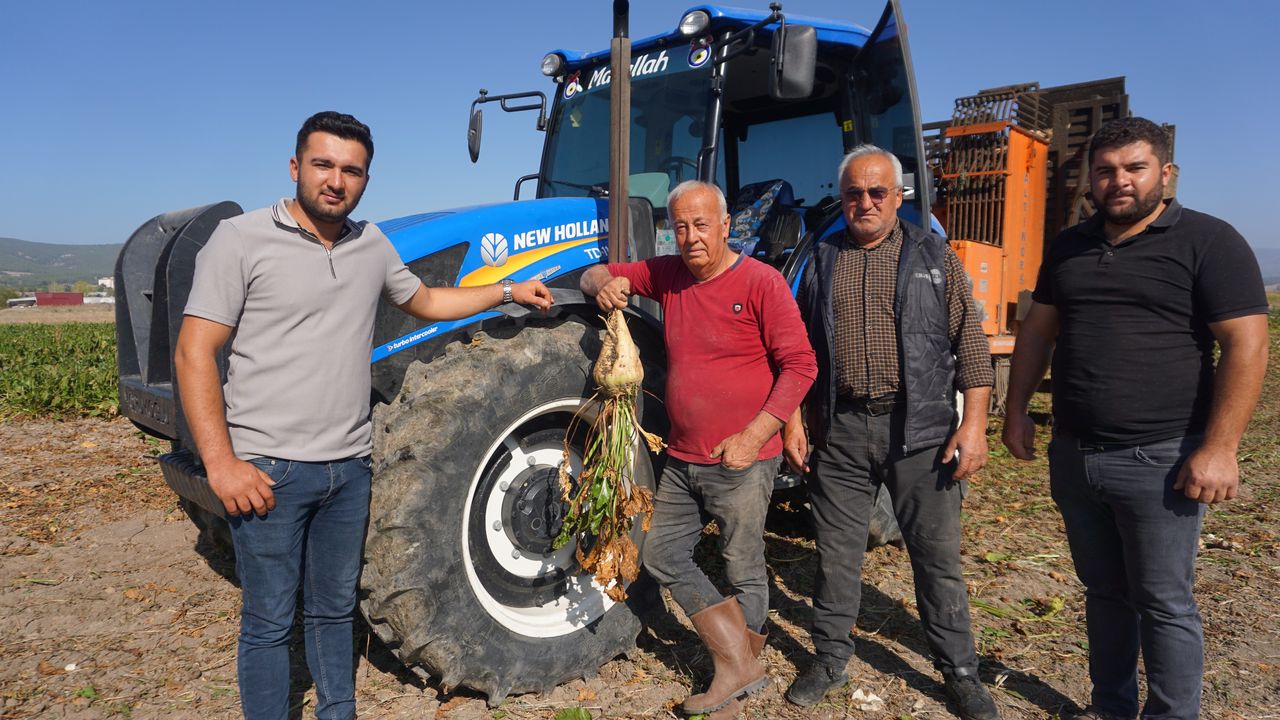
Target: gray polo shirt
(298,371)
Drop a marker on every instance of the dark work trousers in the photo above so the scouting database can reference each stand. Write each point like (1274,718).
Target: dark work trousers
(1134,541)
(863,451)
(737,500)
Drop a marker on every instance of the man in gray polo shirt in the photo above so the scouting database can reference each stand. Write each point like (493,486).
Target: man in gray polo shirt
(286,442)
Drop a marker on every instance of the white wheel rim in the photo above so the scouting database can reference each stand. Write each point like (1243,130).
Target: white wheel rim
(584,600)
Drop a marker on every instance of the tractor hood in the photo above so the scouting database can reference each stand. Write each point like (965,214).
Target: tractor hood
(518,240)
(481,245)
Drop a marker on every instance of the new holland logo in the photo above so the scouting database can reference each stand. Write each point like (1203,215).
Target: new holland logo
(493,250)
(737,308)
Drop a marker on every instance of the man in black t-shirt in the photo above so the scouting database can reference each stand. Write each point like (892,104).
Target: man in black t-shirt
(1130,304)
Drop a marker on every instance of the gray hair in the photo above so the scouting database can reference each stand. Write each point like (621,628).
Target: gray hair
(869,149)
(680,190)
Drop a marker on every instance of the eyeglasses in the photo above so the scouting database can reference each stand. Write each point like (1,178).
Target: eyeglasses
(877,194)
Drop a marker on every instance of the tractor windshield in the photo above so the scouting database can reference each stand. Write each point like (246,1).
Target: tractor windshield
(669,94)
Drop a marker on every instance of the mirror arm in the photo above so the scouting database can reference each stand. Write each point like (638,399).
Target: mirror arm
(504,102)
(747,35)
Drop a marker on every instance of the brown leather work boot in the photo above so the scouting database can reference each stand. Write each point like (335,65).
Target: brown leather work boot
(723,630)
(755,641)
(728,712)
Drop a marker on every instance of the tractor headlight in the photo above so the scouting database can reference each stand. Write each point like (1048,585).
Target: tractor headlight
(552,64)
(694,23)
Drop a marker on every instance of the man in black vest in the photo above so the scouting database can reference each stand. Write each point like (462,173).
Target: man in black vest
(891,317)
(1130,303)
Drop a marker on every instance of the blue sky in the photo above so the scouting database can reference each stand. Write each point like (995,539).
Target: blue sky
(113,112)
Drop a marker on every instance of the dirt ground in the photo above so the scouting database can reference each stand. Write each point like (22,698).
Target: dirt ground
(96,313)
(113,605)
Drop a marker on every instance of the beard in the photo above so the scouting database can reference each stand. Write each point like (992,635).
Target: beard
(1143,205)
(312,206)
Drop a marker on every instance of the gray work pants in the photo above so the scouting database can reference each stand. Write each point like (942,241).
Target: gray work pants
(862,452)
(689,494)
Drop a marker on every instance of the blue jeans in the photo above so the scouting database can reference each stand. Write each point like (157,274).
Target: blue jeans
(314,535)
(1134,540)
(738,501)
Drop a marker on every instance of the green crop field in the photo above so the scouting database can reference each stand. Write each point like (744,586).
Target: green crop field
(59,370)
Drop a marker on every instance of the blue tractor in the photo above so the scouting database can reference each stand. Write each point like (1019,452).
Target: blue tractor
(461,579)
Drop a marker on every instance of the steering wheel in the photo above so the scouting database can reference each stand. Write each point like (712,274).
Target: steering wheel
(674,166)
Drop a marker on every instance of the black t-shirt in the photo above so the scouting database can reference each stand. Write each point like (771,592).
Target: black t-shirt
(1134,355)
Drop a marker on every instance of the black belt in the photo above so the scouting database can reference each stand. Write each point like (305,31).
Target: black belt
(1091,446)
(871,406)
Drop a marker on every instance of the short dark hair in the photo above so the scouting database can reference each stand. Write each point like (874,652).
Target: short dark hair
(1126,131)
(335,123)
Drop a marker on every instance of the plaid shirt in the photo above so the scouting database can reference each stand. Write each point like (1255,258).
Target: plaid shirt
(866,332)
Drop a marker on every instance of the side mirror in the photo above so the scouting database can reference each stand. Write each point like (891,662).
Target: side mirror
(475,127)
(795,54)
(908,186)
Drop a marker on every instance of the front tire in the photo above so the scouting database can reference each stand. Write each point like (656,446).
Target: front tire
(460,577)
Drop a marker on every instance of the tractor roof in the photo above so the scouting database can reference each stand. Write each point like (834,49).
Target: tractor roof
(830,32)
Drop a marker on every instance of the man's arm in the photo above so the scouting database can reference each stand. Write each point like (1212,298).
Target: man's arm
(795,443)
(1036,337)
(740,450)
(611,292)
(1211,472)
(974,374)
(787,345)
(455,303)
(240,486)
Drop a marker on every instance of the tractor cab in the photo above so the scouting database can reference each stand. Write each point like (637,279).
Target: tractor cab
(708,102)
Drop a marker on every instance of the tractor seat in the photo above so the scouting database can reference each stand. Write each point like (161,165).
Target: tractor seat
(762,221)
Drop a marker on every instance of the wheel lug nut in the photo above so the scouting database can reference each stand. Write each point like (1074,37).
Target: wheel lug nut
(504,486)
(515,554)
(497,524)
(532,461)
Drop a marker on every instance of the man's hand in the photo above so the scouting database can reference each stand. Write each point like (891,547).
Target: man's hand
(1209,475)
(532,292)
(795,444)
(1019,435)
(613,294)
(970,440)
(242,487)
(738,451)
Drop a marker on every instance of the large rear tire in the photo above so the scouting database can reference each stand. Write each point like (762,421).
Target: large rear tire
(460,579)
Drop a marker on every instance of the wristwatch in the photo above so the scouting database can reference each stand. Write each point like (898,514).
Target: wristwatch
(506,290)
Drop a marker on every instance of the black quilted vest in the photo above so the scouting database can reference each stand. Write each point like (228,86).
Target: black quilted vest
(924,345)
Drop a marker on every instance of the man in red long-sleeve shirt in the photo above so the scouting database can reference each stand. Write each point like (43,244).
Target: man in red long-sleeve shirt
(739,363)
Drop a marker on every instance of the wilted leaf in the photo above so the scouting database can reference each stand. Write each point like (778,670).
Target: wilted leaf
(573,714)
(996,557)
(46,668)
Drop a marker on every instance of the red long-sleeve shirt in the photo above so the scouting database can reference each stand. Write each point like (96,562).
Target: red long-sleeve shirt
(735,346)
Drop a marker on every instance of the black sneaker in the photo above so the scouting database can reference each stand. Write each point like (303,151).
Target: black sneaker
(815,682)
(971,698)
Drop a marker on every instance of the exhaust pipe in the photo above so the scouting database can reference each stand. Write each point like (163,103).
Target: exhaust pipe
(619,132)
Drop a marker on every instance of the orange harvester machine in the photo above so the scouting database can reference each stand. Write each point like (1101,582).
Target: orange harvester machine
(1011,172)
(991,168)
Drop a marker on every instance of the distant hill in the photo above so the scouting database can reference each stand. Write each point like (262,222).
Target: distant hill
(34,265)
(1269,261)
